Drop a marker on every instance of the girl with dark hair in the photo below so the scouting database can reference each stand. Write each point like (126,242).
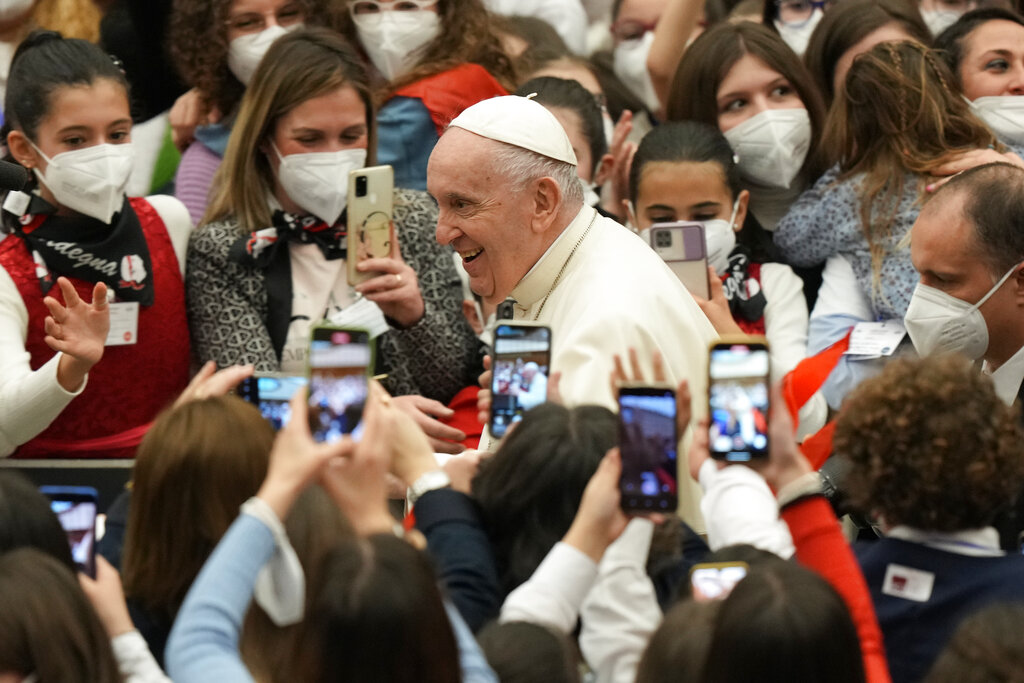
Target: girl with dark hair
(68,124)
(852,28)
(433,58)
(795,20)
(985,51)
(687,172)
(742,79)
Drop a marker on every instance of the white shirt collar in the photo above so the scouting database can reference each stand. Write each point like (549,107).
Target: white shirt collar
(540,278)
(1008,377)
(977,542)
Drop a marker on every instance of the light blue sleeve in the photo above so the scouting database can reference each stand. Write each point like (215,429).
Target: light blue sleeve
(203,644)
(815,226)
(475,668)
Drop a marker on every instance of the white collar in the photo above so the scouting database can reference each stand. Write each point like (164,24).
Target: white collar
(1008,377)
(976,542)
(541,276)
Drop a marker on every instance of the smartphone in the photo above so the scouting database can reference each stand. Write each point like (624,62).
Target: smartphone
(339,363)
(738,399)
(715,580)
(519,373)
(370,198)
(76,508)
(272,393)
(648,441)
(683,248)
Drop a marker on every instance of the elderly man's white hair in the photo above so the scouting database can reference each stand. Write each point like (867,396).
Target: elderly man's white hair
(520,167)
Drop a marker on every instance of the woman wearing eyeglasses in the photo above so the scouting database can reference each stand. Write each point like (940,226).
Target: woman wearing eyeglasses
(432,59)
(795,20)
(217,46)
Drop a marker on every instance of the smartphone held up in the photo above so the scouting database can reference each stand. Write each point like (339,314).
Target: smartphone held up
(520,369)
(77,507)
(339,363)
(648,442)
(683,248)
(738,391)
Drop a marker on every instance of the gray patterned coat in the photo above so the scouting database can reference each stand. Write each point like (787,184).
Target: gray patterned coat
(227,308)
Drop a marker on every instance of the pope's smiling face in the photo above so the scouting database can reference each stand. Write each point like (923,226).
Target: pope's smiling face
(481,214)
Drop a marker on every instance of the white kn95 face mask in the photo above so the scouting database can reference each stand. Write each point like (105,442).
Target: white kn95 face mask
(772,146)
(90,180)
(318,181)
(940,323)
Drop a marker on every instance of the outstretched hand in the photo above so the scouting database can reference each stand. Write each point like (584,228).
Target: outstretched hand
(78,330)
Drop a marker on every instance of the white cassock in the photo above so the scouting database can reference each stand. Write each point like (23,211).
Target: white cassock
(602,291)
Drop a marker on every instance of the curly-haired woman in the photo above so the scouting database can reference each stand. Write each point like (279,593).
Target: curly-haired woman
(433,58)
(216,46)
(936,456)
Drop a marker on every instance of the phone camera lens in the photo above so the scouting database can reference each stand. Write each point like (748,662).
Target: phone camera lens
(361,186)
(663,238)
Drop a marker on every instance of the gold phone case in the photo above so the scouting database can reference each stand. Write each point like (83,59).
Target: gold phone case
(370,205)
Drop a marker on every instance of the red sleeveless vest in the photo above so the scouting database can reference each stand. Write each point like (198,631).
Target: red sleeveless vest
(131,383)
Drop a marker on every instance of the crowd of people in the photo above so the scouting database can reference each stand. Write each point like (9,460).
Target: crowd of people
(175,193)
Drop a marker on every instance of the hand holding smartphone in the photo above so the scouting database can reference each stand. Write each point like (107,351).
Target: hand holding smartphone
(76,507)
(738,402)
(648,441)
(339,362)
(519,373)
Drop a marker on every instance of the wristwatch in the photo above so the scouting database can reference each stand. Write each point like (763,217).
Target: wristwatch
(428,481)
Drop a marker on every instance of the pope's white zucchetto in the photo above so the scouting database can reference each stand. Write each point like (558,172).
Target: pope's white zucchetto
(521,122)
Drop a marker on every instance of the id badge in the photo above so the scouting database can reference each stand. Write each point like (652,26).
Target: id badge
(124,323)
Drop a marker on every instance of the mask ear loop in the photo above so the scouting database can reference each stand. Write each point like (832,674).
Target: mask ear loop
(996,286)
(732,218)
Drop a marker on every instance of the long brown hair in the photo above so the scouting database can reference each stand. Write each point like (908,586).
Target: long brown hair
(705,64)
(848,23)
(197,464)
(898,112)
(467,36)
(48,626)
(298,67)
(198,43)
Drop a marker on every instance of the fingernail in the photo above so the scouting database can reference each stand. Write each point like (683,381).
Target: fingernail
(929,188)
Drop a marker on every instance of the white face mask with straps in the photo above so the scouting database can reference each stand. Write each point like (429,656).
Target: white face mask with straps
(940,323)
(90,180)
(772,145)
(720,238)
(246,52)
(1004,115)
(395,40)
(318,181)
